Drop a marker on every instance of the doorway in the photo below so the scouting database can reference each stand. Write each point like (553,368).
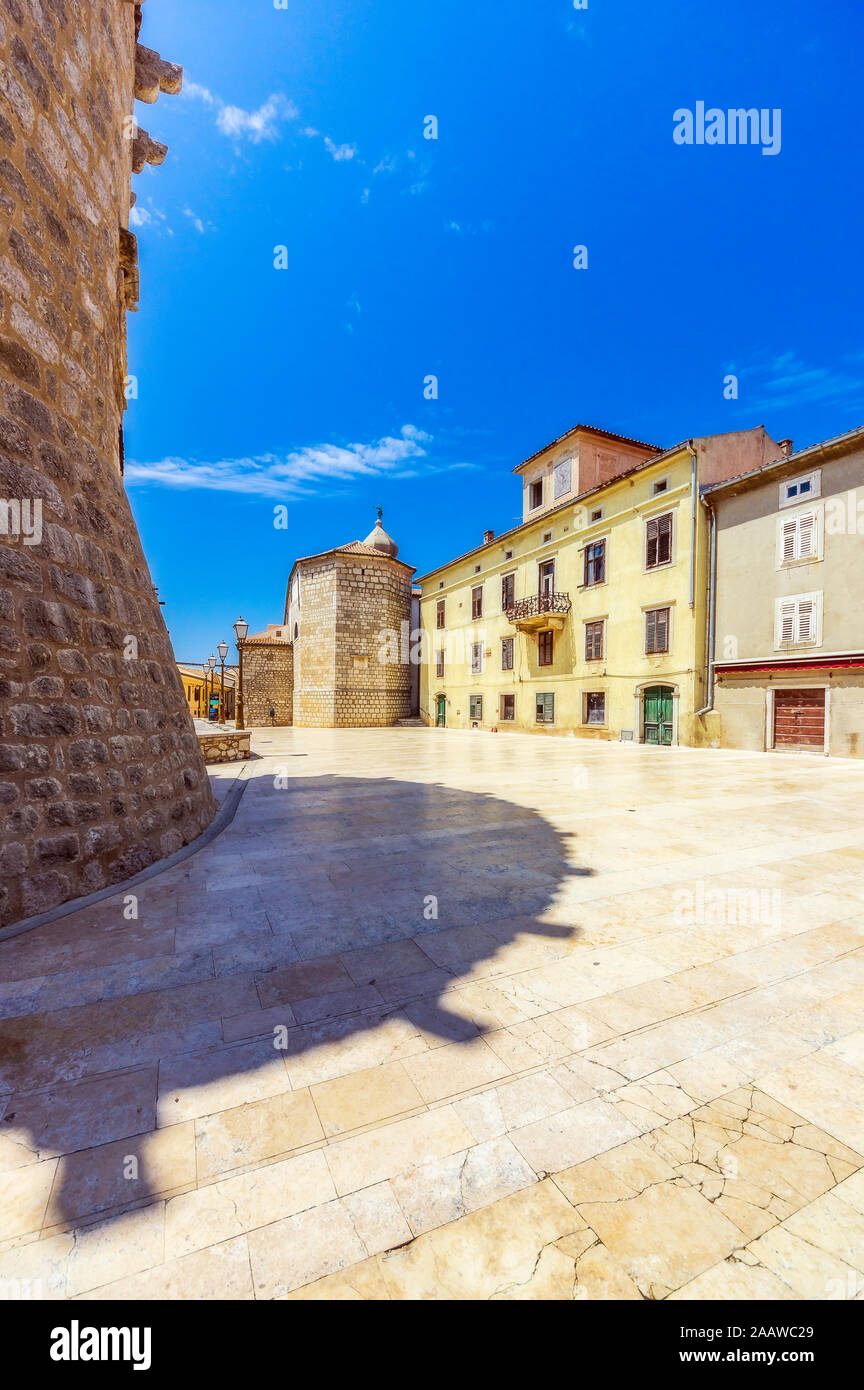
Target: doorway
(799,719)
(657,721)
(440,711)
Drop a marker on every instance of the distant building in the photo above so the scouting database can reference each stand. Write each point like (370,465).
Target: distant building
(789,615)
(591,616)
(203,692)
(342,655)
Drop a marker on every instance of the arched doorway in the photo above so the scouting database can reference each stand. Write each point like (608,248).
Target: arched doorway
(440,711)
(658,714)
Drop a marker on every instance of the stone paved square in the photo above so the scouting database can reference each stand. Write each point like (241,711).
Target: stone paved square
(446,1014)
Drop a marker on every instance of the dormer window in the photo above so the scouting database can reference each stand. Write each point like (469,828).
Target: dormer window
(535,495)
(801,489)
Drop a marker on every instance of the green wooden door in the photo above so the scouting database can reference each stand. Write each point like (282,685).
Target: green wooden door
(657,721)
(440,711)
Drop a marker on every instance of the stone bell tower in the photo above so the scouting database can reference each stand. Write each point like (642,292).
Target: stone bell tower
(100,772)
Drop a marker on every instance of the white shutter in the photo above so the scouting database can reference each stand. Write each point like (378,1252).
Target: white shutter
(806,535)
(790,537)
(786,621)
(806,620)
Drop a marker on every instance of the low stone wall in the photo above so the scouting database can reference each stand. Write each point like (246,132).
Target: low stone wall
(224,748)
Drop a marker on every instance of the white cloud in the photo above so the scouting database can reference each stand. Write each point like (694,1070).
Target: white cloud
(259,125)
(786,380)
(299,474)
(194,219)
(339,152)
(139,217)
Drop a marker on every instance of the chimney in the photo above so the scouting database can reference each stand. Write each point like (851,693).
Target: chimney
(787,448)
(488,536)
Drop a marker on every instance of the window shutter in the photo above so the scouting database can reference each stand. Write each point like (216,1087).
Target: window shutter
(548,708)
(651,546)
(806,535)
(664,540)
(790,538)
(662,629)
(806,620)
(787,621)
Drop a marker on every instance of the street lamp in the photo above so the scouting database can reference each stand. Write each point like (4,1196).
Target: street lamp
(222,649)
(211,664)
(240,630)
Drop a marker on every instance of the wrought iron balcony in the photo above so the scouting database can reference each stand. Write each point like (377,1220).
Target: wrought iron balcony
(540,610)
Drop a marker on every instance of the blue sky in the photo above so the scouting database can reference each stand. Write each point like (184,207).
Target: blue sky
(303,127)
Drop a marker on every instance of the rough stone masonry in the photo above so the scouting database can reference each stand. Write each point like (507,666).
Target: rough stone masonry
(100,770)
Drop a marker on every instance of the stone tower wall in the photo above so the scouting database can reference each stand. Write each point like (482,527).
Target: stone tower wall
(268,682)
(100,771)
(340,678)
(373,596)
(314,647)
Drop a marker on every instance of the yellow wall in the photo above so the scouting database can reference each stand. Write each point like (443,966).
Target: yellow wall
(621,600)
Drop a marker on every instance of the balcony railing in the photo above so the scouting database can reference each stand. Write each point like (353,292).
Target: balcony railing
(524,609)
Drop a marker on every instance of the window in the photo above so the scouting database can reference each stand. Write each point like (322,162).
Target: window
(546,577)
(477,602)
(658,541)
(661,485)
(508,591)
(656,631)
(476,658)
(439,663)
(545,647)
(798,538)
(476,708)
(477,569)
(798,620)
(547,536)
(508,554)
(440,583)
(597,514)
(801,489)
(506,653)
(546,709)
(508,706)
(535,495)
(439,612)
(594,641)
(595,563)
(595,707)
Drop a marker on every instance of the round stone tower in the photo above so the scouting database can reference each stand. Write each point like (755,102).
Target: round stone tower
(100,771)
(348,616)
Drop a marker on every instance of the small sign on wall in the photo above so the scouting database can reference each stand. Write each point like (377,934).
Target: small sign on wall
(562,477)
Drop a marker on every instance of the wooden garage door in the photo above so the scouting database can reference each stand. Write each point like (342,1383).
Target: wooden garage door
(799,719)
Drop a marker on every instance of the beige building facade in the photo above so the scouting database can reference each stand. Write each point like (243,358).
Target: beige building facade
(789,603)
(590,618)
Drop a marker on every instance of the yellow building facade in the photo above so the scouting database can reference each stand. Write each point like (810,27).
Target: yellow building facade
(590,618)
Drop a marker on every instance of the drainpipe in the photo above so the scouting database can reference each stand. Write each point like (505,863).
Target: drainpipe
(692,524)
(712,607)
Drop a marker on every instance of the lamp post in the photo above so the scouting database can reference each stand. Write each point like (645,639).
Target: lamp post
(211,664)
(222,649)
(240,630)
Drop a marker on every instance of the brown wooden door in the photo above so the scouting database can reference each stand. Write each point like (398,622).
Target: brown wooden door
(799,719)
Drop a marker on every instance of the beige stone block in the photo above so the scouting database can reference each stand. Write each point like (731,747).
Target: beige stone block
(663,1237)
(503,1251)
(378,1218)
(449,1187)
(202,1083)
(249,1134)
(24,1196)
(288,1254)
(809,1271)
(455,1068)
(93,1180)
(380,1154)
(220,1273)
(123,1246)
(365,1097)
(572,1136)
(235,1205)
